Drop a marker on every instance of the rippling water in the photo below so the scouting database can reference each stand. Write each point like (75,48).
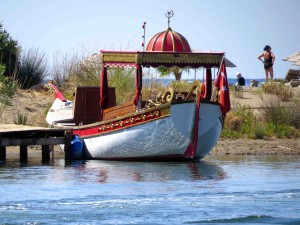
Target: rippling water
(247,190)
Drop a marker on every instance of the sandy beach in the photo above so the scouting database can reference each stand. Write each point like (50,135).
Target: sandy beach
(224,147)
(33,105)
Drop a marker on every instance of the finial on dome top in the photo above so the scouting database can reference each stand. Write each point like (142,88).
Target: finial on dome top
(169,14)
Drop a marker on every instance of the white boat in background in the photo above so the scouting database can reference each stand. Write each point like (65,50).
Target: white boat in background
(174,126)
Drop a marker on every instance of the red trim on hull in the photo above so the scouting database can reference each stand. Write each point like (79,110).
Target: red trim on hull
(191,149)
(118,124)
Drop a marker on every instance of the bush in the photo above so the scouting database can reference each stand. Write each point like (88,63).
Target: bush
(282,91)
(282,130)
(239,123)
(32,68)
(8,88)
(277,112)
(259,131)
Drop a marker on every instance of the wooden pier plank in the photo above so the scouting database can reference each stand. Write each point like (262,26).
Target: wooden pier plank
(32,141)
(45,137)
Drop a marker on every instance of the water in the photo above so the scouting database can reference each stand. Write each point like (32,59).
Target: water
(245,190)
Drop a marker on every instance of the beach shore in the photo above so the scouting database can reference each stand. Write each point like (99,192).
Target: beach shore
(224,147)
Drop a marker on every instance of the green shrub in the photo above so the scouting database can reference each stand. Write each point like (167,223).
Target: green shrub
(282,91)
(282,130)
(239,122)
(228,133)
(8,88)
(259,131)
(277,112)
(32,68)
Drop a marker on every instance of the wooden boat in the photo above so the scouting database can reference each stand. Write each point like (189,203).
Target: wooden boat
(174,126)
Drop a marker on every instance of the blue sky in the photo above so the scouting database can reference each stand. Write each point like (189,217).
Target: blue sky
(241,28)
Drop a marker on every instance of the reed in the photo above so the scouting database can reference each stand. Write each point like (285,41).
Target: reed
(21,119)
(32,68)
(123,79)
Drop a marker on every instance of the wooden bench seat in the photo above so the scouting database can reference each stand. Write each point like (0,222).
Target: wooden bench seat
(119,110)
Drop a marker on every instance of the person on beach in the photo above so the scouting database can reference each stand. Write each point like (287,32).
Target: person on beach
(269,59)
(240,81)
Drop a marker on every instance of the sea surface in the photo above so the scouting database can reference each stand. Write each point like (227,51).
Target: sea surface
(228,190)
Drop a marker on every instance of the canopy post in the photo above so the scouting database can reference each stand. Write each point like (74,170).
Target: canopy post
(103,91)
(138,84)
(208,84)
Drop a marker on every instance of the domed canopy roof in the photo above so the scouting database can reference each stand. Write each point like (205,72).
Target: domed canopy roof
(168,41)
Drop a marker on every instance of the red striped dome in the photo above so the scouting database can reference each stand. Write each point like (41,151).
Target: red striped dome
(168,41)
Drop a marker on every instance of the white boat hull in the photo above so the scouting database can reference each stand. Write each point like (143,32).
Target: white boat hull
(210,128)
(60,111)
(168,137)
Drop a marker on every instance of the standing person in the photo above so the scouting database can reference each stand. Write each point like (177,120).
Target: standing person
(269,59)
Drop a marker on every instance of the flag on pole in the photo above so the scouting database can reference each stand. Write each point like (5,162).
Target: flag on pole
(222,84)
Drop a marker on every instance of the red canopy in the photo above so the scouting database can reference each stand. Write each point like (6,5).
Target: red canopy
(152,59)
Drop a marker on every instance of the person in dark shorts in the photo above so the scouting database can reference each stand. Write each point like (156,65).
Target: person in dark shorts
(268,61)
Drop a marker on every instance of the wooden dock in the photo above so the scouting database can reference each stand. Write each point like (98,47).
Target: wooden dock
(45,137)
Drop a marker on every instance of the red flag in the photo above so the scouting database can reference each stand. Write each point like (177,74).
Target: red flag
(222,84)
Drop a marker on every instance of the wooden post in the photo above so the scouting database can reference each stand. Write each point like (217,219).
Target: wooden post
(68,139)
(23,153)
(52,150)
(2,151)
(45,153)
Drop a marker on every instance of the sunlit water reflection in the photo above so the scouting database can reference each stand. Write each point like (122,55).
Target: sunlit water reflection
(222,190)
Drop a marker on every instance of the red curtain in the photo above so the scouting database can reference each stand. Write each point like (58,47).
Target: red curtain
(138,84)
(103,91)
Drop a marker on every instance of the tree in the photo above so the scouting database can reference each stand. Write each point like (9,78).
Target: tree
(8,87)
(9,51)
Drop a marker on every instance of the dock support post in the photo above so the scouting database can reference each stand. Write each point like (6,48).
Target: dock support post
(23,153)
(2,153)
(68,139)
(45,153)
